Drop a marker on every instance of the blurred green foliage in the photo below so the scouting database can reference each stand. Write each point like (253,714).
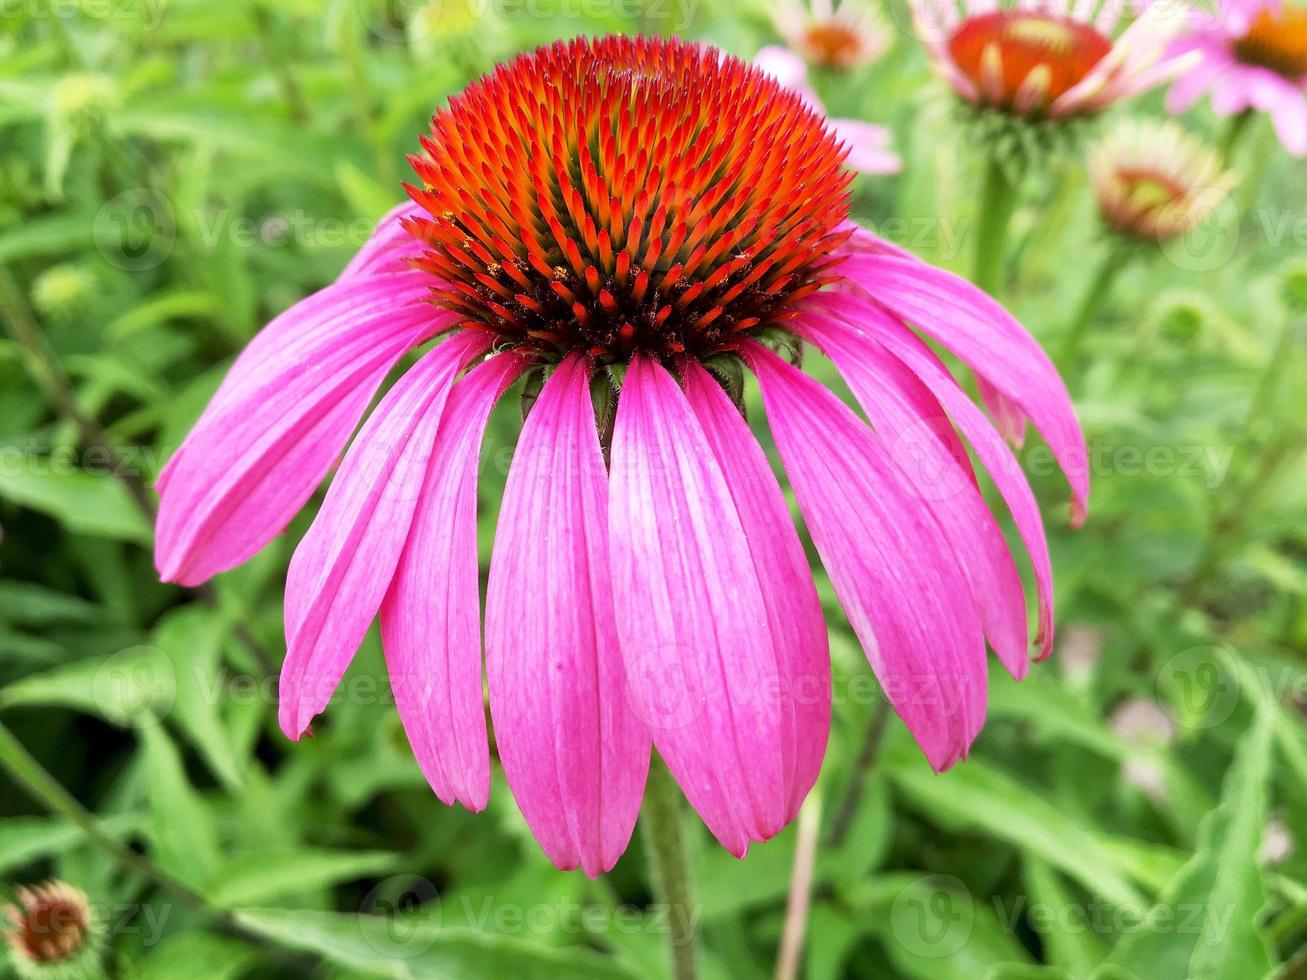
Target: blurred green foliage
(175,172)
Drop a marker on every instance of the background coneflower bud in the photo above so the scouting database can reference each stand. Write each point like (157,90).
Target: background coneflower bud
(63,291)
(1181,316)
(1154,181)
(51,932)
(847,35)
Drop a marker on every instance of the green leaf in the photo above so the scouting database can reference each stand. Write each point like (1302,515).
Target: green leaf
(396,947)
(57,234)
(83,502)
(30,604)
(977,796)
(197,956)
(1054,711)
(135,686)
(184,839)
(255,878)
(26,839)
(192,639)
(161,308)
(1068,932)
(1205,926)
(935,928)
(363,193)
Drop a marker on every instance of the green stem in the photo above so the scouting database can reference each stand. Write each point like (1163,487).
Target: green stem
(1269,380)
(280,61)
(997,202)
(366,119)
(866,761)
(797,908)
(1100,287)
(21,326)
(25,770)
(1234,132)
(28,772)
(1228,525)
(660,822)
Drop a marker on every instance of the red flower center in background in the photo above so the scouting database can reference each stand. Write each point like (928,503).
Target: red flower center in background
(1278,42)
(627,195)
(1149,190)
(1000,50)
(831,42)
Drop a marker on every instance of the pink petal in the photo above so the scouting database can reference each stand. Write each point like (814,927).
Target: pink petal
(793,609)
(990,341)
(431,616)
(280,420)
(868,146)
(341,570)
(995,456)
(574,753)
(890,563)
(389,246)
(913,425)
(691,616)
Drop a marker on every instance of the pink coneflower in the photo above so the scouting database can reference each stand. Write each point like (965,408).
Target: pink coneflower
(844,34)
(1154,181)
(1053,59)
(629,217)
(1252,56)
(868,144)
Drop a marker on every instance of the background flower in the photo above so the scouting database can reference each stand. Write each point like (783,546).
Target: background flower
(1047,60)
(1249,56)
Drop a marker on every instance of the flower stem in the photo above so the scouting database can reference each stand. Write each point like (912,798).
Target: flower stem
(28,772)
(1100,287)
(866,761)
(1234,132)
(21,326)
(660,822)
(800,900)
(997,202)
(1229,523)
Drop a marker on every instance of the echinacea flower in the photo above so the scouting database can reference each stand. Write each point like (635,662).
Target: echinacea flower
(1050,60)
(833,33)
(630,217)
(1154,181)
(867,143)
(51,932)
(1251,55)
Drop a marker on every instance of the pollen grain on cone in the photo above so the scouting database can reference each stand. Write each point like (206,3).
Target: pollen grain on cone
(627,195)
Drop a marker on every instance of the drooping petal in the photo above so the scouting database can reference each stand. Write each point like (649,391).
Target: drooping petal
(990,341)
(794,613)
(280,420)
(890,563)
(389,246)
(431,616)
(690,614)
(914,427)
(342,568)
(575,753)
(995,456)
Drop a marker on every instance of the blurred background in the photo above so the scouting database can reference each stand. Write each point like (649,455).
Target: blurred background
(173,173)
